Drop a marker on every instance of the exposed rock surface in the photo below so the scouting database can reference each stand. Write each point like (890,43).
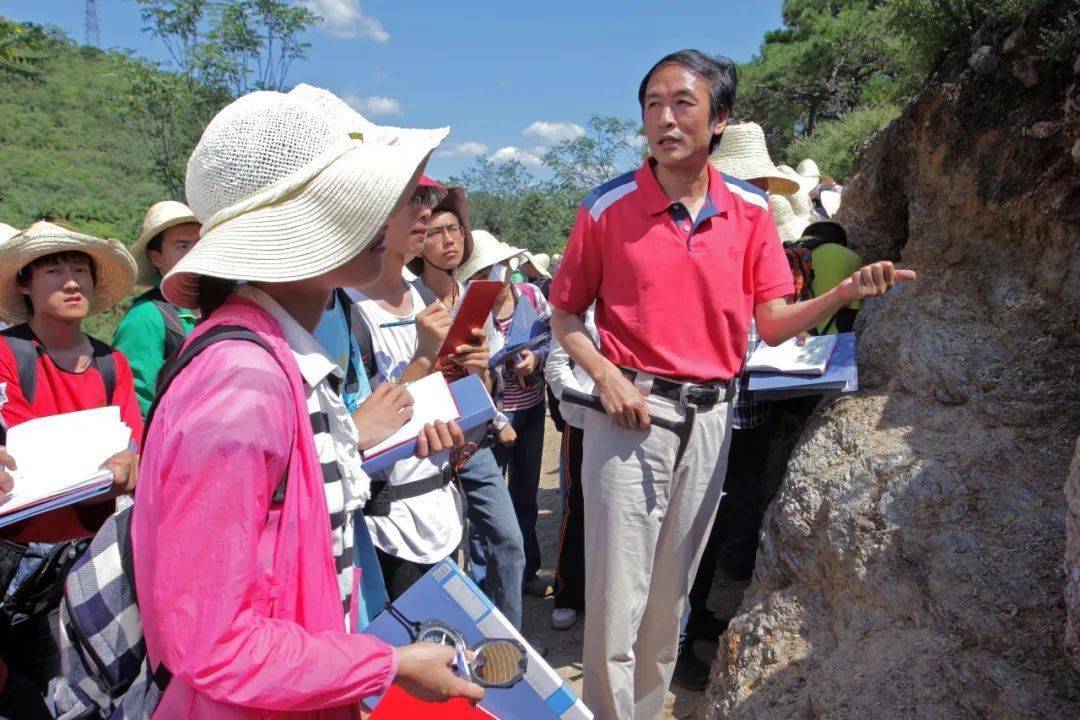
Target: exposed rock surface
(1072,561)
(911,563)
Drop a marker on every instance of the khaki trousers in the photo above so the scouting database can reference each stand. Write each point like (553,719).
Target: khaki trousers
(646,524)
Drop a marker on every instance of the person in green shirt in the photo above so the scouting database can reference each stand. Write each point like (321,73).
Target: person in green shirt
(834,263)
(154,329)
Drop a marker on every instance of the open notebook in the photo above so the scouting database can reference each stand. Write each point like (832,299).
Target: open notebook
(47,479)
(792,359)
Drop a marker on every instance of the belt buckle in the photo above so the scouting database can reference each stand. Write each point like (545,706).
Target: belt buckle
(684,397)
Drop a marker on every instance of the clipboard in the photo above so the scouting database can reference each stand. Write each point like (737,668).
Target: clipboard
(472,314)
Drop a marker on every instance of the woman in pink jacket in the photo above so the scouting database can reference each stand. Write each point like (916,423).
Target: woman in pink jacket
(243,557)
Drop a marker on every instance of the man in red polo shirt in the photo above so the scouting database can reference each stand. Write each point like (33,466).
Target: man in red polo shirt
(678,258)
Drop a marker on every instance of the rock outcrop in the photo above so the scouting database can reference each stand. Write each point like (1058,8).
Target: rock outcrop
(911,563)
(1072,561)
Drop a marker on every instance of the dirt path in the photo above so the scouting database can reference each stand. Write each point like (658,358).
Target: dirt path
(564,647)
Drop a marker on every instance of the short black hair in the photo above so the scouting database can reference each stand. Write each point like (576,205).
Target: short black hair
(718,70)
(155,243)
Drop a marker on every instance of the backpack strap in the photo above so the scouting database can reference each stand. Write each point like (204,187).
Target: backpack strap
(360,331)
(189,353)
(174,329)
(105,362)
(21,341)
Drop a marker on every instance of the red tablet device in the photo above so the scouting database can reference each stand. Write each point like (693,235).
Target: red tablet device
(472,314)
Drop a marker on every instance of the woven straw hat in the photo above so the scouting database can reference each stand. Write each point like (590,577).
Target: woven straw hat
(113,265)
(7,232)
(488,250)
(809,169)
(542,262)
(803,206)
(830,201)
(160,217)
(789,225)
(805,184)
(743,153)
(290,186)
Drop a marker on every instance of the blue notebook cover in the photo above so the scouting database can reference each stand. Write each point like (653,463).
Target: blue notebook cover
(475,408)
(841,375)
(446,594)
(70,499)
(513,348)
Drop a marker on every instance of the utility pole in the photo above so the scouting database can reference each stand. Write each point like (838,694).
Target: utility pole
(93,36)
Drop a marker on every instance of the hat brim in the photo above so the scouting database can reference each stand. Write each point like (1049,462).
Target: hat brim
(830,201)
(483,260)
(147,271)
(114,269)
(317,228)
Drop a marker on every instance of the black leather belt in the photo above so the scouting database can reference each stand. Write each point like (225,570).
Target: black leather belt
(383,493)
(704,395)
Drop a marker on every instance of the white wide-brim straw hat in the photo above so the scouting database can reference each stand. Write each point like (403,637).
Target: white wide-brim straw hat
(160,217)
(805,184)
(743,153)
(291,186)
(488,250)
(542,263)
(789,225)
(809,169)
(7,232)
(830,201)
(114,267)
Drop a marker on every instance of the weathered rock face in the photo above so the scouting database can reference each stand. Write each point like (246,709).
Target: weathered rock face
(1072,561)
(911,564)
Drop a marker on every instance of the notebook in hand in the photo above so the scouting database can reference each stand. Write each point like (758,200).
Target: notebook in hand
(47,479)
(471,314)
(841,375)
(790,358)
(465,401)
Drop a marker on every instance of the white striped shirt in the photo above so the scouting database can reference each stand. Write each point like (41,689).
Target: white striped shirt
(426,528)
(346,485)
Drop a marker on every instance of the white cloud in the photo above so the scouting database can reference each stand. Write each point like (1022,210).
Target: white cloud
(374,105)
(346,19)
(532,157)
(468,149)
(552,132)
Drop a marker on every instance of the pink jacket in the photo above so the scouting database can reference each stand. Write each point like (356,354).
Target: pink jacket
(239,601)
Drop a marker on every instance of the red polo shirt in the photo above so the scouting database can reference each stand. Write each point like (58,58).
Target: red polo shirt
(674,296)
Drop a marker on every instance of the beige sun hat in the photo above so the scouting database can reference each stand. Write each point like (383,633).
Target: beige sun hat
(542,263)
(805,184)
(743,153)
(290,186)
(830,201)
(113,265)
(809,169)
(788,224)
(488,250)
(7,232)
(160,217)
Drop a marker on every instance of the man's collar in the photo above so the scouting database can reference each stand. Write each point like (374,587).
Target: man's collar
(310,355)
(657,201)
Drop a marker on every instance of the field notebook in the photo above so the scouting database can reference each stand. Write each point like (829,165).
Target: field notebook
(791,358)
(467,401)
(46,479)
(841,375)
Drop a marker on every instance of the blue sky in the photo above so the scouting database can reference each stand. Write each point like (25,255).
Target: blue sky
(511,78)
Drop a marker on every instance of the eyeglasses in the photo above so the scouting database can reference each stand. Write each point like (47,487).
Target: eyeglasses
(423,200)
(452,231)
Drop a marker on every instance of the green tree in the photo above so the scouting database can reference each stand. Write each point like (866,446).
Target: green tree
(612,146)
(22,49)
(219,50)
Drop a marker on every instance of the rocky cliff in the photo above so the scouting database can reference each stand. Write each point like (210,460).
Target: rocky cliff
(911,563)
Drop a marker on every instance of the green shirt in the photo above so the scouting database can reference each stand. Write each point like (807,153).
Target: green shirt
(141,338)
(833,264)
